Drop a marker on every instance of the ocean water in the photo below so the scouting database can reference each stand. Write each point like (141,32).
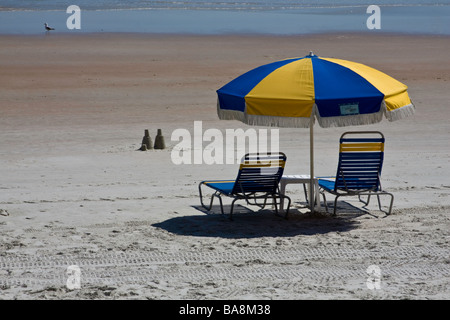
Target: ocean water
(285,17)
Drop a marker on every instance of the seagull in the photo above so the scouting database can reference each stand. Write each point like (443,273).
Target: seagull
(47,27)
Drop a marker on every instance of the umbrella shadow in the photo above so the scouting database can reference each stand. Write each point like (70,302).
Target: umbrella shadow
(250,224)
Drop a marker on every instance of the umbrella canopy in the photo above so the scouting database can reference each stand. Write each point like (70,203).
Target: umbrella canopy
(290,92)
(294,92)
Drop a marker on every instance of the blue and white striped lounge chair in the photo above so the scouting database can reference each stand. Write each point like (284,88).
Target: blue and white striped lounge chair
(361,156)
(256,183)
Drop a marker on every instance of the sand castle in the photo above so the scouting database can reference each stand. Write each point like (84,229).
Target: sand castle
(147,141)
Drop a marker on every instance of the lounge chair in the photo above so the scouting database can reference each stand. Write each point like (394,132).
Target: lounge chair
(359,168)
(256,183)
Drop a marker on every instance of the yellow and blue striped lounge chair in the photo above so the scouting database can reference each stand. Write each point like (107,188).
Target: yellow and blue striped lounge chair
(257,181)
(361,156)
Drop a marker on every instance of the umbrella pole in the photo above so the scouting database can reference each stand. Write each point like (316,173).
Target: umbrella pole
(311,163)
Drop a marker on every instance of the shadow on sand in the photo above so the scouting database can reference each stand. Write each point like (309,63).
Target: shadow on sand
(264,223)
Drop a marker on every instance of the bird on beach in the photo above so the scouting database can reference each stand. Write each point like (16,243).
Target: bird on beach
(47,27)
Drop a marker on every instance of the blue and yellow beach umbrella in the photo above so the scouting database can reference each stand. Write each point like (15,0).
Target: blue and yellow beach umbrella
(292,92)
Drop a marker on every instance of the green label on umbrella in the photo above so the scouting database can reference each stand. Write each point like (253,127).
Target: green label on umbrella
(349,108)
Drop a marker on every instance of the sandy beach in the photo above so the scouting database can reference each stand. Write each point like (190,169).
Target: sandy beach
(75,190)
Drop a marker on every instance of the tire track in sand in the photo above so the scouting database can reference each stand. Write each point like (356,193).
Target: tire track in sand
(315,265)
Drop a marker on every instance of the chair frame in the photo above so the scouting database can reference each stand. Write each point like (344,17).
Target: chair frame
(366,156)
(251,184)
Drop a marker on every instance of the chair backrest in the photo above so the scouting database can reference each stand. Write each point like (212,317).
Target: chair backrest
(361,156)
(260,172)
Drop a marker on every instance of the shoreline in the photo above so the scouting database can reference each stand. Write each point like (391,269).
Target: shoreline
(157,35)
(225,34)
(229,35)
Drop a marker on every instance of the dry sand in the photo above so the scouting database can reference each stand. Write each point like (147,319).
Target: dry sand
(75,190)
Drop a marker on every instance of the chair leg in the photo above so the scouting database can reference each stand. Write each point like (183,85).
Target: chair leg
(220,201)
(306,193)
(379,202)
(361,200)
(288,206)
(232,208)
(201,198)
(274,199)
(366,203)
(282,191)
(325,201)
(390,204)
(216,194)
(264,203)
(335,205)
(282,197)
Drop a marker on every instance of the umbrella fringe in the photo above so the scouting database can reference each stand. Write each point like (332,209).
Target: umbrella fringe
(401,113)
(262,120)
(273,121)
(364,119)
(230,115)
(267,121)
(353,120)
(324,122)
